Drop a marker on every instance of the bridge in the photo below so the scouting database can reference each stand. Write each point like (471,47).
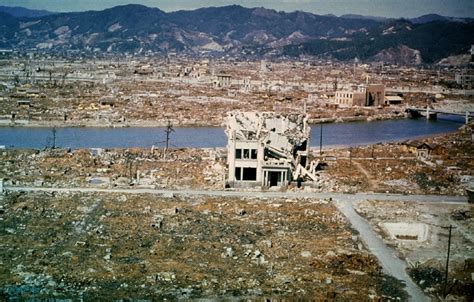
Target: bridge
(432,114)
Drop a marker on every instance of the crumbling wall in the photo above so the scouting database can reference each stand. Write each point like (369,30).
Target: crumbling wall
(282,146)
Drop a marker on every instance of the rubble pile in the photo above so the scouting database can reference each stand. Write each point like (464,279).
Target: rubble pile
(92,246)
(175,168)
(149,91)
(426,277)
(398,167)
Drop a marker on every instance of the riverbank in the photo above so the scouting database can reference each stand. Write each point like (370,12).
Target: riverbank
(334,134)
(383,167)
(72,243)
(188,123)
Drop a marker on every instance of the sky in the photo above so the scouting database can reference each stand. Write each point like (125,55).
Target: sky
(383,8)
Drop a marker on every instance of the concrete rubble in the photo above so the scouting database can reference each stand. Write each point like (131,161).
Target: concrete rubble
(267,149)
(149,91)
(91,246)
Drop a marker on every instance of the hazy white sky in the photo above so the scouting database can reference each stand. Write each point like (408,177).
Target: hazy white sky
(386,8)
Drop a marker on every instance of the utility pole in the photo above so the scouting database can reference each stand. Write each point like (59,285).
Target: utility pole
(54,137)
(168,130)
(129,164)
(373,146)
(447,263)
(350,161)
(321,139)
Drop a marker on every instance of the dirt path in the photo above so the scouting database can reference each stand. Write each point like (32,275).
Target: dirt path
(370,180)
(255,194)
(391,264)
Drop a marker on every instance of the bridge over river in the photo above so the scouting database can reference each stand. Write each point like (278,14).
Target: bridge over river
(432,114)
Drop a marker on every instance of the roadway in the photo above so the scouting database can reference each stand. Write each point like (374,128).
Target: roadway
(255,194)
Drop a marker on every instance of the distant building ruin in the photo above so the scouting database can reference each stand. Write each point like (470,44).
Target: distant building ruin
(465,79)
(265,66)
(361,95)
(222,80)
(266,149)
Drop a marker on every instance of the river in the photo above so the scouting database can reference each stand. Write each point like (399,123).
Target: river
(336,134)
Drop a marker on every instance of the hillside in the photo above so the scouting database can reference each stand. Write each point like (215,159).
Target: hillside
(237,30)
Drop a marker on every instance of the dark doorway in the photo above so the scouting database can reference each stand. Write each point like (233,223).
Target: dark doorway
(274,178)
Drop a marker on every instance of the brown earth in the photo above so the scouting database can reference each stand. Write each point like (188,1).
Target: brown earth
(144,246)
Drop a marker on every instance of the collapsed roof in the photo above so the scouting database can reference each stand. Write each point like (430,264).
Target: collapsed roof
(281,133)
(285,138)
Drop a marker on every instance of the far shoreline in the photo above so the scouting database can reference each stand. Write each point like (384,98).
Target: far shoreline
(151,124)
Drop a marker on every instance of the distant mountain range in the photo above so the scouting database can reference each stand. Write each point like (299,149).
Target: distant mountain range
(238,31)
(24,12)
(419,20)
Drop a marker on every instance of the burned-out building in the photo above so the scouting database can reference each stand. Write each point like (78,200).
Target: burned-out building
(361,95)
(222,80)
(465,79)
(266,149)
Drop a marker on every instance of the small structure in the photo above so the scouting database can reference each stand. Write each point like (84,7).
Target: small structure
(246,85)
(421,149)
(107,101)
(470,192)
(361,95)
(265,66)
(268,150)
(144,70)
(393,100)
(222,80)
(23,103)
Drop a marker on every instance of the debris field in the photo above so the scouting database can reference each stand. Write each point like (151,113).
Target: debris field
(120,246)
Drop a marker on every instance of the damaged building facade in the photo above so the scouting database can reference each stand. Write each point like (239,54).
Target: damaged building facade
(268,150)
(361,95)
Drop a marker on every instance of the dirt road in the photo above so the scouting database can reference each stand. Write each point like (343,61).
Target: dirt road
(256,194)
(391,264)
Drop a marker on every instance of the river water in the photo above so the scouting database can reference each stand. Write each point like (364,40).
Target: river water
(336,134)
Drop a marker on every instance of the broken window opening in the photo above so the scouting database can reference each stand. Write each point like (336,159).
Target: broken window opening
(303,146)
(238,173)
(249,174)
(253,153)
(303,161)
(246,154)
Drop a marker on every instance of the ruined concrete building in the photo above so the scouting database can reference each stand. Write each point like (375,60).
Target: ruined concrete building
(361,95)
(266,149)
